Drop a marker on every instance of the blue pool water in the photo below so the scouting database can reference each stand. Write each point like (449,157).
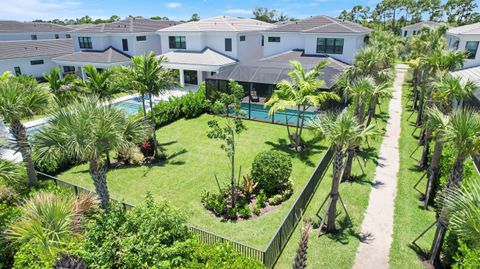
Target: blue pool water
(259,112)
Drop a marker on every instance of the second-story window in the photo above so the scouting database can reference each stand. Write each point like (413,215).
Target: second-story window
(330,45)
(471,47)
(125,44)
(405,33)
(177,42)
(141,38)
(242,38)
(85,42)
(275,39)
(68,36)
(57,36)
(36,62)
(34,37)
(228,44)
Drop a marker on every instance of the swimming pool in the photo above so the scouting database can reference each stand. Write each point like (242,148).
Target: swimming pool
(259,112)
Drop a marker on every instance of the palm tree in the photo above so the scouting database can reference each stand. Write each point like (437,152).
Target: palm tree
(340,130)
(463,133)
(85,131)
(300,92)
(8,172)
(51,220)
(451,92)
(60,87)
(378,92)
(100,83)
(19,101)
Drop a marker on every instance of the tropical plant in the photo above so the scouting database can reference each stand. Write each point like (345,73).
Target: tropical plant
(101,84)
(9,172)
(272,170)
(19,101)
(451,92)
(5,76)
(61,87)
(300,93)
(339,130)
(85,131)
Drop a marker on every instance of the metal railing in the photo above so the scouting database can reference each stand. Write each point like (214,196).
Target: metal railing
(272,252)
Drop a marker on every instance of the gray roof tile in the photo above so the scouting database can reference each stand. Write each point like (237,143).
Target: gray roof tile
(320,24)
(108,56)
(131,25)
(422,24)
(34,48)
(30,27)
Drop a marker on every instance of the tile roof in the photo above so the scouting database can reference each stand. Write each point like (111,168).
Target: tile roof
(34,48)
(131,25)
(320,24)
(274,69)
(422,24)
(205,57)
(473,74)
(472,29)
(220,24)
(108,56)
(30,27)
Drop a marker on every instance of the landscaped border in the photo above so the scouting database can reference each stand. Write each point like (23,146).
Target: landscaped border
(271,253)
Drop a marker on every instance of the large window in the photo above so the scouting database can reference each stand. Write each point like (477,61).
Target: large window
(274,39)
(177,42)
(330,45)
(471,47)
(85,42)
(141,38)
(68,69)
(125,44)
(228,44)
(36,62)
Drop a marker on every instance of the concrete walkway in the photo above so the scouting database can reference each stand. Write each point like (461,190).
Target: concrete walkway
(377,227)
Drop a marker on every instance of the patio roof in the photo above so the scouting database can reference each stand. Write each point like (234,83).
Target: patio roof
(473,74)
(206,57)
(108,56)
(274,69)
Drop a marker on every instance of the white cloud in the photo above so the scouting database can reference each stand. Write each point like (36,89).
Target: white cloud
(174,5)
(238,11)
(39,9)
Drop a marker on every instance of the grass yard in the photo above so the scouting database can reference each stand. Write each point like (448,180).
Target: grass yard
(338,251)
(192,161)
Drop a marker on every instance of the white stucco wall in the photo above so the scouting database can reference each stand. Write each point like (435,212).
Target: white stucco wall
(153,43)
(28,36)
(104,41)
(216,41)
(195,41)
(250,49)
(461,46)
(351,44)
(288,41)
(25,66)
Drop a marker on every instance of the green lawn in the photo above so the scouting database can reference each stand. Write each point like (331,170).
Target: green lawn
(193,160)
(338,251)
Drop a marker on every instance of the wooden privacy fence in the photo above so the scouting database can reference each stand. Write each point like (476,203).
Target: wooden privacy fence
(270,254)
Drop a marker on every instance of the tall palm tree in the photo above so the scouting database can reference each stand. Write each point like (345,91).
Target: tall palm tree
(19,101)
(60,87)
(340,130)
(463,133)
(451,92)
(300,92)
(85,131)
(378,92)
(101,84)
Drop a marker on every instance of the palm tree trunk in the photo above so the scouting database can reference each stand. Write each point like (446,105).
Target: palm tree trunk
(337,175)
(433,171)
(438,240)
(98,172)
(361,113)
(423,163)
(155,149)
(20,134)
(297,129)
(233,169)
(422,97)
(456,176)
(371,111)
(302,123)
(416,78)
(144,108)
(288,129)
(347,170)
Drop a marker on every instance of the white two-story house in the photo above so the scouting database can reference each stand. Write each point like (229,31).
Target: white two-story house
(15,30)
(416,28)
(201,48)
(466,38)
(318,35)
(110,44)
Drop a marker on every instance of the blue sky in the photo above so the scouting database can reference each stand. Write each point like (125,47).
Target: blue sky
(25,10)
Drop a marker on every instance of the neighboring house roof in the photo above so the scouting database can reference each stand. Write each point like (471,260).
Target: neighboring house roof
(320,24)
(30,27)
(108,56)
(473,74)
(204,57)
(35,48)
(274,69)
(472,29)
(220,24)
(131,25)
(422,24)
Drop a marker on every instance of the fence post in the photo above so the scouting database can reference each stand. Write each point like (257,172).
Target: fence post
(76,190)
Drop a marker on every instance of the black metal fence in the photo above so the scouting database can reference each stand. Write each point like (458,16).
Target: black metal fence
(272,252)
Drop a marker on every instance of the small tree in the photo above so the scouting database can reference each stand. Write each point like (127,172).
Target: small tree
(60,87)
(232,127)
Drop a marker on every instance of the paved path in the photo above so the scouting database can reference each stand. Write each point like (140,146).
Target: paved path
(377,227)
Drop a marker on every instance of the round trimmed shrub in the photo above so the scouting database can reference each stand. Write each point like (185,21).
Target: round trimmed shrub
(272,169)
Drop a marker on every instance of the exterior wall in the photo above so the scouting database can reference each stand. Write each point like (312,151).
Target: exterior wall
(28,36)
(216,41)
(409,32)
(288,41)
(195,41)
(153,43)
(250,49)
(102,42)
(462,41)
(26,68)
(98,42)
(351,44)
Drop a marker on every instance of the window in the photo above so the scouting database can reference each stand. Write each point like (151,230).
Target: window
(18,72)
(190,77)
(177,42)
(414,32)
(273,39)
(57,36)
(141,38)
(242,38)
(34,37)
(68,69)
(405,33)
(330,45)
(68,36)
(263,40)
(471,47)
(125,44)
(36,62)
(228,44)
(85,42)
